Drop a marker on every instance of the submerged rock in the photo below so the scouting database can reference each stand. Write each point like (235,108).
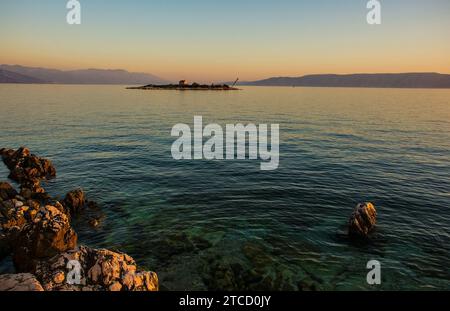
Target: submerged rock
(20,282)
(94,222)
(99,269)
(253,268)
(363,220)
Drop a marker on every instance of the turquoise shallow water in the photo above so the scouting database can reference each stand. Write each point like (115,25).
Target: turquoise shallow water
(227,225)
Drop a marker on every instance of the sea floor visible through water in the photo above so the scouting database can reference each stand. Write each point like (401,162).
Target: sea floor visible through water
(209,225)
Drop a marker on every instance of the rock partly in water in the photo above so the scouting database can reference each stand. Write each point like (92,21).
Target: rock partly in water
(37,230)
(98,270)
(75,201)
(49,234)
(25,166)
(20,282)
(363,220)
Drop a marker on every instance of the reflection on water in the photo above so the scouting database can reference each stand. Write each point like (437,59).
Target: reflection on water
(227,225)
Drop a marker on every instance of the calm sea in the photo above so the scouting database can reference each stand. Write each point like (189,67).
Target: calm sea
(228,225)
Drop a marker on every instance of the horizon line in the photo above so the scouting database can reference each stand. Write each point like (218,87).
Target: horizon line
(226,80)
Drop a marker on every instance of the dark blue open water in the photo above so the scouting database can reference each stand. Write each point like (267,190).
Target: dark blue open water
(227,225)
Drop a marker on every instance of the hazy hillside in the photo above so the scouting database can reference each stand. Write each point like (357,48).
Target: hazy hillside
(88,76)
(401,80)
(13,77)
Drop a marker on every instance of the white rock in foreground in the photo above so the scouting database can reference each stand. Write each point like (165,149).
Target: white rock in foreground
(23,282)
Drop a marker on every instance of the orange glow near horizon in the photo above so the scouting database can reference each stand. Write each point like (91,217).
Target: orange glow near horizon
(220,46)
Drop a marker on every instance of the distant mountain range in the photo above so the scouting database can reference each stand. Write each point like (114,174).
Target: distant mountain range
(395,80)
(14,77)
(21,74)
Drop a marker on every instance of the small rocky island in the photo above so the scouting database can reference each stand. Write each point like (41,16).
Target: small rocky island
(183,85)
(36,230)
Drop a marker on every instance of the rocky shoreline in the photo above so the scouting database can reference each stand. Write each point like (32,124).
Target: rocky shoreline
(35,230)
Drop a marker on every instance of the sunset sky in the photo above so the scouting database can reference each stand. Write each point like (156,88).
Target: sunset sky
(208,40)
